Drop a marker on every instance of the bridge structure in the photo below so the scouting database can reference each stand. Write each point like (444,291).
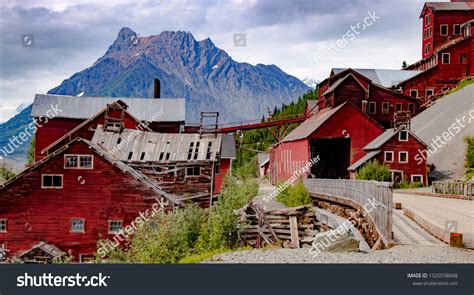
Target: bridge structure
(257,124)
(367,204)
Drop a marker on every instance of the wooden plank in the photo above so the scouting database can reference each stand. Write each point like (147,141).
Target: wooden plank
(294,231)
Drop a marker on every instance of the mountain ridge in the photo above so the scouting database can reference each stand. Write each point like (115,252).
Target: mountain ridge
(199,71)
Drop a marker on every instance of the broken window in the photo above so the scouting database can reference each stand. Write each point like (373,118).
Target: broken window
(196,150)
(190,151)
(193,171)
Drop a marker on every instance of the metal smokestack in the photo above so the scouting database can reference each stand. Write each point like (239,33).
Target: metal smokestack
(156,88)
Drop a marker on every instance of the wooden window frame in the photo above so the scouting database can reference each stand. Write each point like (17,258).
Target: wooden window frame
(385,106)
(454,29)
(5,221)
(414,90)
(427,20)
(52,187)
(193,175)
(396,107)
(71,230)
(78,161)
(460,59)
(416,175)
(430,89)
(374,111)
(399,158)
(400,135)
(441,29)
(449,58)
(385,156)
(109,226)
(411,107)
(81,260)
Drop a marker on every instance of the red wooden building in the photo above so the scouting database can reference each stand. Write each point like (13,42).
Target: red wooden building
(368,90)
(399,149)
(336,135)
(448,49)
(72,198)
(79,116)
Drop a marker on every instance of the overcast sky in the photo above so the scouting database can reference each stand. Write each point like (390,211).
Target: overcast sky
(69,35)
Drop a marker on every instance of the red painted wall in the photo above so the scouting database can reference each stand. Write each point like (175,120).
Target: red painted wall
(348,122)
(413,167)
(99,195)
(439,18)
(225,167)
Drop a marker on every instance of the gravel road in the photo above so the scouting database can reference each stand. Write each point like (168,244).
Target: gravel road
(396,254)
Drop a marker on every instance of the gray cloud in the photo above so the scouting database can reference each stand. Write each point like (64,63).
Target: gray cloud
(286,33)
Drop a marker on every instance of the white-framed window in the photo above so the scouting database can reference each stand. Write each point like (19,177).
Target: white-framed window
(52,181)
(193,171)
(402,157)
(115,226)
(398,107)
(427,19)
(388,157)
(467,31)
(443,30)
(364,105)
(3,225)
(429,92)
(417,178)
(78,225)
(446,57)
(414,93)
(385,108)
(457,29)
(403,135)
(372,107)
(78,161)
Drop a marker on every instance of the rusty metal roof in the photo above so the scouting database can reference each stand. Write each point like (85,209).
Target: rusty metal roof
(364,159)
(130,144)
(447,6)
(311,124)
(145,109)
(383,77)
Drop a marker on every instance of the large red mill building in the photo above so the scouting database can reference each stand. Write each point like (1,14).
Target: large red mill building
(345,129)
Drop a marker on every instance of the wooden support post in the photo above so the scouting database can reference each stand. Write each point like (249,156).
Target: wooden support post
(295,240)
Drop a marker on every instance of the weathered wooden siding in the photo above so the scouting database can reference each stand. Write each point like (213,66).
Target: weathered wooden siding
(98,195)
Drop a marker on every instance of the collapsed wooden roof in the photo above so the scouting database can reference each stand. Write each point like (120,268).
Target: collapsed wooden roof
(143,146)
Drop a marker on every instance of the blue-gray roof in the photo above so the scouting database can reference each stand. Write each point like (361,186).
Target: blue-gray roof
(144,109)
(386,78)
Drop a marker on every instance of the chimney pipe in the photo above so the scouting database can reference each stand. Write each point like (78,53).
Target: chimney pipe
(157,88)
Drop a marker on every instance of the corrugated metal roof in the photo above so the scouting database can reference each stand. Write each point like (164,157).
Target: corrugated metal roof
(312,104)
(386,78)
(440,117)
(311,124)
(339,82)
(364,159)
(381,139)
(158,147)
(378,142)
(262,158)
(437,6)
(145,109)
(228,147)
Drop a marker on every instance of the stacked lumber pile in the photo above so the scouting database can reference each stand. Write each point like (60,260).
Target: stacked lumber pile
(357,217)
(289,227)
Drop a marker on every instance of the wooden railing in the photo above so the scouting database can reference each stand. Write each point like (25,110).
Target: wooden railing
(376,198)
(453,188)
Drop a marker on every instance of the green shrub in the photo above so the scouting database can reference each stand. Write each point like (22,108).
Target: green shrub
(469,140)
(191,231)
(374,171)
(6,173)
(295,195)
(407,185)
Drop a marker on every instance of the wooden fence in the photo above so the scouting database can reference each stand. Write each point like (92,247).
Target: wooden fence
(453,188)
(376,198)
